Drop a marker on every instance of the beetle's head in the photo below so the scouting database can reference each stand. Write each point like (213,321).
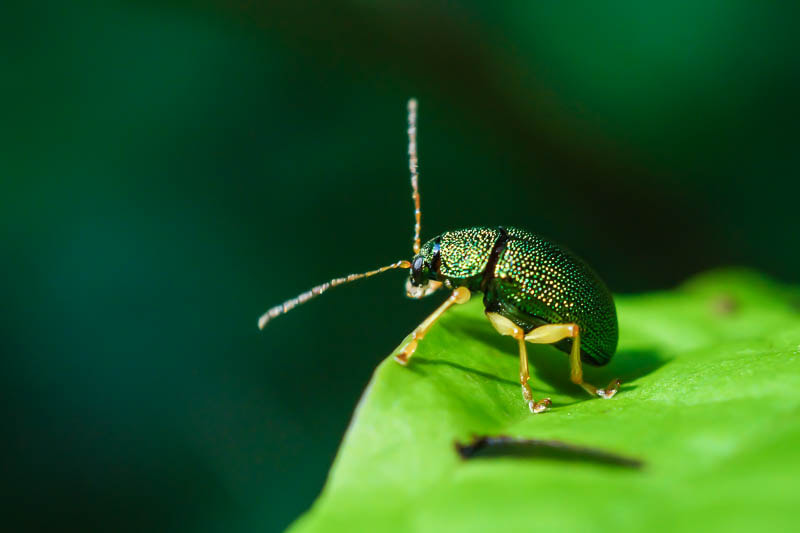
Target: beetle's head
(422,277)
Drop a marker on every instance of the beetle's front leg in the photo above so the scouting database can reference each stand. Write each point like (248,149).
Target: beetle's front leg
(458,296)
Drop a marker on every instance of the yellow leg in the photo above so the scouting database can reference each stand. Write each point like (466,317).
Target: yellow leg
(506,327)
(552,333)
(458,296)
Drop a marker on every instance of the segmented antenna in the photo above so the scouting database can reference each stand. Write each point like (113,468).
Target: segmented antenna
(288,305)
(412,166)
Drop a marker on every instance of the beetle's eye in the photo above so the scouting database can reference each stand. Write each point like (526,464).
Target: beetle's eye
(416,271)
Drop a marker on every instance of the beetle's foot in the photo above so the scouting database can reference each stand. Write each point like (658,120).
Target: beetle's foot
(534,406)
(540,406)
(406,352)
(609,391)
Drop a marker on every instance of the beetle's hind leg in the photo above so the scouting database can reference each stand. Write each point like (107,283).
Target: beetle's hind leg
(551,333)
(505,326)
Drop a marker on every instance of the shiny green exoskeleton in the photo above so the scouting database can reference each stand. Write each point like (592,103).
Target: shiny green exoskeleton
(533,290)
(527,279)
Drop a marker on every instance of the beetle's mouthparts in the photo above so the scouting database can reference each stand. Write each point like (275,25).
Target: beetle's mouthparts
(421,291)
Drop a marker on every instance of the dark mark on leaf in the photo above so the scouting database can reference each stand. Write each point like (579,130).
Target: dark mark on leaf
(484,447)
(725,304)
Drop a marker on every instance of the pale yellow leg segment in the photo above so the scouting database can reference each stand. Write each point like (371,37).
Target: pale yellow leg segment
(459,296)
(506,327)
(552,333)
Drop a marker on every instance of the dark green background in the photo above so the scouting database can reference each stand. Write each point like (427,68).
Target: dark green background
(170,170)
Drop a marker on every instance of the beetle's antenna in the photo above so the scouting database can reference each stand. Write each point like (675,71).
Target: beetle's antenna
(412,166)
(288,305)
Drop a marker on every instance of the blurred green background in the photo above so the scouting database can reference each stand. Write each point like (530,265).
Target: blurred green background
(169,170)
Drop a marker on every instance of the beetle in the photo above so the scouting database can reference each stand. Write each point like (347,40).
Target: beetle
(533,290)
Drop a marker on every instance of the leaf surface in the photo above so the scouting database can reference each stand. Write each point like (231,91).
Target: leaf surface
(710,404)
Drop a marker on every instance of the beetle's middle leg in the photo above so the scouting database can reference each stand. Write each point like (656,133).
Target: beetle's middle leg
(505,326)
(458,296)
(551,333)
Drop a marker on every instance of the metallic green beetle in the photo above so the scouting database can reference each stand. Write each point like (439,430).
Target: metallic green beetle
(533,290)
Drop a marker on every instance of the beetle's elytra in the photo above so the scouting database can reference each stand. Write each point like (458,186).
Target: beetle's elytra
(533,290)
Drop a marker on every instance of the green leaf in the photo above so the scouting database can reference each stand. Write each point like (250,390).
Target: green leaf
(710,404)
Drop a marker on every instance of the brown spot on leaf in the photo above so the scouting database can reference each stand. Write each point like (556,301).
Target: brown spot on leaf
(724,305)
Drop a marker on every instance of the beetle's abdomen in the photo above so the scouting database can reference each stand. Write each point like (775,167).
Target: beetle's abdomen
(465,253)
(536,281)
